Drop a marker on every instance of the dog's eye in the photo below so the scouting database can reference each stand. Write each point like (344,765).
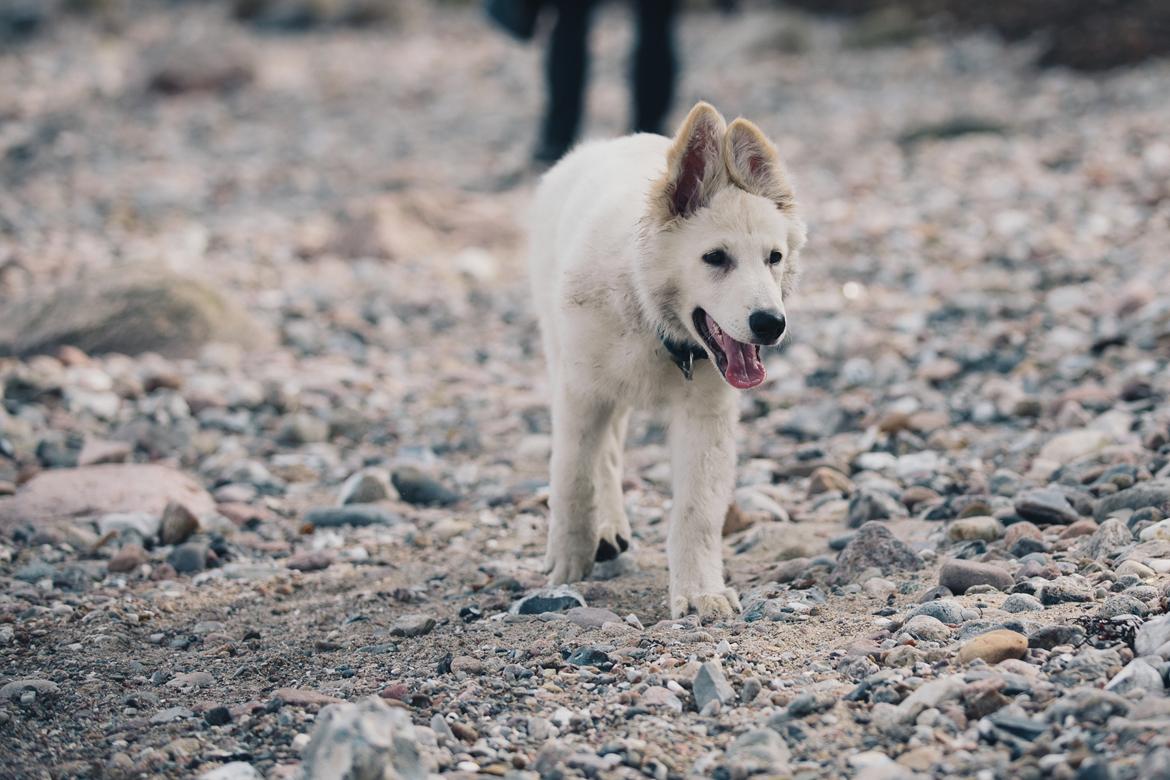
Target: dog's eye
(717,258)
(775,257)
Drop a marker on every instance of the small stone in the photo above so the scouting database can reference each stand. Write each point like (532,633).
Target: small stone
(178,523)
(1154,493)
(828,480)
(414,624)
(873,546)
(1048,637)
(415,487)
(1135,569)
(1067,447)
(13,690)
(300,697)
(994,646)
(364,487)
(310,560)
(1153,638)
(868,505)
(1137,675)
(960,575)
(591,617)
(1122,604)
(218,716)
(1082,527)
(658,697)
(191,680)
(710,685)
(1023,530)
(190,557)
(1063,590)
(1022,602)
(791,569)
(171,714)
(943,610)
(558,599)
(927,628)
(466,664)
(879,588)
(235,770)
(1046,506)
(351,515)
(759,751)
(983,528)
(127,559)
(368,740)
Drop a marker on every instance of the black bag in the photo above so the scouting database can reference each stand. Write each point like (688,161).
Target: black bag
(518,17)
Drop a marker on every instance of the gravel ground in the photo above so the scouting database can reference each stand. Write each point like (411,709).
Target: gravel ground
(273,473)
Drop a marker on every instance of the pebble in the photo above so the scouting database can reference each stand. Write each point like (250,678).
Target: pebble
(177,524)
(1022,602)
(558,599)
(590,617)
(415,487)
(658,697)
(366,740)
(357,515)
(711,685)
(994,646)
(960,576)
(189,558)
(984,528)
(874,547)
(1137,675)
(1046,506)
(128,558)
(1153,638)
(364,487)
(414,624)
(14,689)
(1063,590)
(1048,637)
(235,770)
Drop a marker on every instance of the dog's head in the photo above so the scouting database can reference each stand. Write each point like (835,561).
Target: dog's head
(720,243)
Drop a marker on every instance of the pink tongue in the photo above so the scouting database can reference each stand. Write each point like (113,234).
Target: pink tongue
(744,369)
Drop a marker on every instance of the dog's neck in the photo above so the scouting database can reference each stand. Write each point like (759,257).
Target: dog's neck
(683,353)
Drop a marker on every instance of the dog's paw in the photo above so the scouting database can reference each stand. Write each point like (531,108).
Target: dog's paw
(568,563)
(615,537)
(710,606)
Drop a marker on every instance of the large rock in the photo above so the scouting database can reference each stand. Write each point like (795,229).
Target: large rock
(874,547)
(128,312)
(368,740)
(60,494)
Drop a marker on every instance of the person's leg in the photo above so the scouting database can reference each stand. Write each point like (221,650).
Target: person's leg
(654,64)
(565,71)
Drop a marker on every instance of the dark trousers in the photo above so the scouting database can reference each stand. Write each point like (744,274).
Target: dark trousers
(653,69)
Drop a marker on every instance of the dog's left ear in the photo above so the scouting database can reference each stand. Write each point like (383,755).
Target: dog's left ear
(754,164)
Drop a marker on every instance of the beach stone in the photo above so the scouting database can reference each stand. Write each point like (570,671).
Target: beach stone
(558,599)
(364,487)
(1135,569)
(414,624)
(1063,590)
(235,770)
(1137,675)
(1154,493)
(711,685)
(57,495)
(1046,506)
(128,558)
(128,311)
(658,697)
(758,751)
(982,528)
(1153,638)
(356,515)
(178,523)
(1122,604)
(943,610)
(994,646)
(927,628)
(189,558)
(591,617)
(1082,527)
(310,560)
(415,487)
(1070,445)
(1022,530)
(868,504)
(367,740)
(1048,637)
(13,690)
(961,575)
(873,547)
(1022,602)
(828,480)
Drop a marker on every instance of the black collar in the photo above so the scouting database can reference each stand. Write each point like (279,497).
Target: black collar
(683,353)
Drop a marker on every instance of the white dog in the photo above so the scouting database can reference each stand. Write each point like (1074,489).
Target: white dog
(649,254)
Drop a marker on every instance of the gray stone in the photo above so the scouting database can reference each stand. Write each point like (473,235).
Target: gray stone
(710,685)
(1048,637)
(874,547)
(1046,506)
(351,515)
(1155,493)
(558,599)
(364,487)
(944,610)
(758,751)
(367,740)
(126,311)
(235,770)
(591,617)
(190,557)
(178,523)
(1109,538)
(171,714)
(1153,638)
(929,695)
(1122,604)
(1137,675)
(1063,590)
(869,504)
(1022,602)
(657,696)
(415,487)
(414,624)
(960,575)
(16,688)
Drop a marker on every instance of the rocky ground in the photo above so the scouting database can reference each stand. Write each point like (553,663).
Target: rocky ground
(273,434)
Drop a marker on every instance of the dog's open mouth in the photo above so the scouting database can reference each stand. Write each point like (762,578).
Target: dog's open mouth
(738,362)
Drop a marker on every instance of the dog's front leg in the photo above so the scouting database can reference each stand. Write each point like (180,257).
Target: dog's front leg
(703,466)
(579,429)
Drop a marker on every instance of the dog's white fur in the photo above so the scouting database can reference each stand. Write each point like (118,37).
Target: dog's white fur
(618,234)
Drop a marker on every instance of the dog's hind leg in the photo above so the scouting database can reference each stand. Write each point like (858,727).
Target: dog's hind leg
(613,525)
(703,461)
(580,428)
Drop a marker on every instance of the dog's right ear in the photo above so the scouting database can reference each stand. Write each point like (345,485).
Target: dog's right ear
(694,166)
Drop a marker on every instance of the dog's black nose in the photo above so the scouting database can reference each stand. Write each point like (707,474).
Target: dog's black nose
(767,326)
